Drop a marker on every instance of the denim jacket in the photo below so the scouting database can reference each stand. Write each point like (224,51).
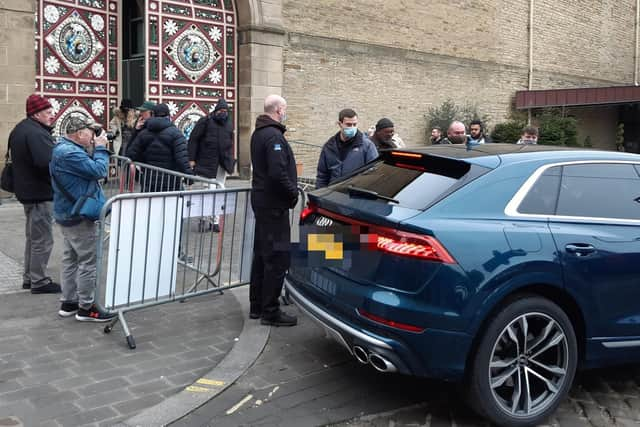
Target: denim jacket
(79,174)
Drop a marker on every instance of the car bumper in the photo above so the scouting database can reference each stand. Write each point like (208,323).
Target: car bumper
(444,358)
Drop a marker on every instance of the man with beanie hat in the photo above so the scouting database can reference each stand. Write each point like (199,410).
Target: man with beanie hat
(211,147)
(384,136)
(31,143)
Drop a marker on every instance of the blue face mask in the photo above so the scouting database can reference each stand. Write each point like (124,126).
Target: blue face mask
(350,132)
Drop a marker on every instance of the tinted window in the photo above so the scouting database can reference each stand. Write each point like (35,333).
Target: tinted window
(416,189)
(543,196)
(601,190)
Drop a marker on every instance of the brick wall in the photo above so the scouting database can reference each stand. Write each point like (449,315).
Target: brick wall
(397,59)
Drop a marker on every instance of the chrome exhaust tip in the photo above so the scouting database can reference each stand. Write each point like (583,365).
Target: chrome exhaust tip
(361,354)
(381,364)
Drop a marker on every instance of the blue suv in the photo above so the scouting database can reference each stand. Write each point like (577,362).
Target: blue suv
(500,266)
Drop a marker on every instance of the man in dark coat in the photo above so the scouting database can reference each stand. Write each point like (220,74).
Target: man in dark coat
(160,144)
(344,152)
(273,192)
(211,148)
(211,144)
(31,145)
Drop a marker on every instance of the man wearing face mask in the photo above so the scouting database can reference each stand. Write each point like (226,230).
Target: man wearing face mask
(456,134)
(344,152)
(211,147)
(273,192)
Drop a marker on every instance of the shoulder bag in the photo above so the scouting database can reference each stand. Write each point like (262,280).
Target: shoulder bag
(6,181)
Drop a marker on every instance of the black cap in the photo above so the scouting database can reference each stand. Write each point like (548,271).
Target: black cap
(383,124)
(161,110)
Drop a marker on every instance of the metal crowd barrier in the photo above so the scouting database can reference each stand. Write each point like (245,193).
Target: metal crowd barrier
(120,177)
(157,252)
(307,156)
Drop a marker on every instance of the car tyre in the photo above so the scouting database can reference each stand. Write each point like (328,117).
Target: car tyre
(524,364)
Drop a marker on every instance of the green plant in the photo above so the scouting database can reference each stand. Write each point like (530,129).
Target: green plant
(441,116)
(555,129)
(508,132)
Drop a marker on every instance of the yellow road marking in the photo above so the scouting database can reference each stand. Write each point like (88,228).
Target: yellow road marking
(210,382)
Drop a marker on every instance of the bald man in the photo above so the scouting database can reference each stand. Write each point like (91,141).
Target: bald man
(456,134)
(274,191)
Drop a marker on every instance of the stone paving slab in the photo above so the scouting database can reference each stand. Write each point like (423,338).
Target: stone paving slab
(60,372)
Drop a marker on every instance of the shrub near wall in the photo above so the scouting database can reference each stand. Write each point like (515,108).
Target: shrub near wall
(508,132)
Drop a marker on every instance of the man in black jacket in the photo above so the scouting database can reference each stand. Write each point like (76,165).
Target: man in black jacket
(161,144)
(31,145)
(211,147)
(273,192)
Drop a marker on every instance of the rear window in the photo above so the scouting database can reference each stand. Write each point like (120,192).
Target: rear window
(415,182)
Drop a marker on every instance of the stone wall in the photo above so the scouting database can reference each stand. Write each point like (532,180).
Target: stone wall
(17,64)
(397,59)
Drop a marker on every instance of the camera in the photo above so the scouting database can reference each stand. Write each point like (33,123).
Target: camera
(110,135)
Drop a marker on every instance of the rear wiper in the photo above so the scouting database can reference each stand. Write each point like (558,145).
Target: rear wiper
(369,194)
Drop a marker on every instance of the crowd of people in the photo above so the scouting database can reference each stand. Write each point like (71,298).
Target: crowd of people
(61,180)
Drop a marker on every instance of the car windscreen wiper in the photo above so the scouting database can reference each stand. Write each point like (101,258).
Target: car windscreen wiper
(369,194)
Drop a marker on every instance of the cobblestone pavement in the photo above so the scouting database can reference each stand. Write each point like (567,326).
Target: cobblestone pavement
(305,379)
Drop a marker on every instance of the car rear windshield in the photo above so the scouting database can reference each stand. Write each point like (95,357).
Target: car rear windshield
(414,180)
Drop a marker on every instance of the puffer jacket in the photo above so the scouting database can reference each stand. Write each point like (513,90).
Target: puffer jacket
(160,144)
(31,145)
(211,146)
(79,174)
(331,167)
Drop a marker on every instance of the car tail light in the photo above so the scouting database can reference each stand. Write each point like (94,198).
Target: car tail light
(390,323)
(389,240)
(410,245)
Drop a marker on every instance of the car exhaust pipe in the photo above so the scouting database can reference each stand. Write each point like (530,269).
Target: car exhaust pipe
(381,363)
(361,354)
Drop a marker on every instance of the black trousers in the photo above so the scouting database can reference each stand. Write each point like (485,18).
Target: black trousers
(271,260)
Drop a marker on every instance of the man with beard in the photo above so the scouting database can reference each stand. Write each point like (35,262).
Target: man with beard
(476,133)
(384,137)
(456,134)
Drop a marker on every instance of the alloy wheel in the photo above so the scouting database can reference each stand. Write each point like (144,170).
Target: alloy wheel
(528,365)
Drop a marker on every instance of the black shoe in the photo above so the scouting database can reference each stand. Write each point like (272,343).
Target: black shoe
(68,309)
(280,319)
(26,285)
(94,314)
(49,288)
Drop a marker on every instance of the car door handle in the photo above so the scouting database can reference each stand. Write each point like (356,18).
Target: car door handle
(580,249)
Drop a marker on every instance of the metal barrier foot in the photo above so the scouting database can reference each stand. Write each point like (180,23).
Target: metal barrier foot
(125,328)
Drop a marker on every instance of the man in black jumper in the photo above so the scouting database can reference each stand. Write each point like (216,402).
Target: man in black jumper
(31,145)
(273,192)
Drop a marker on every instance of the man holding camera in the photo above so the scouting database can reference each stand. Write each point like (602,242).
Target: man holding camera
(76,171)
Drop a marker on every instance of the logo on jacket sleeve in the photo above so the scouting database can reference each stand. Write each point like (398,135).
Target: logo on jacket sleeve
(277,147)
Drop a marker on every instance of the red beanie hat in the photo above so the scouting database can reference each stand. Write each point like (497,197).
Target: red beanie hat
(36,103)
